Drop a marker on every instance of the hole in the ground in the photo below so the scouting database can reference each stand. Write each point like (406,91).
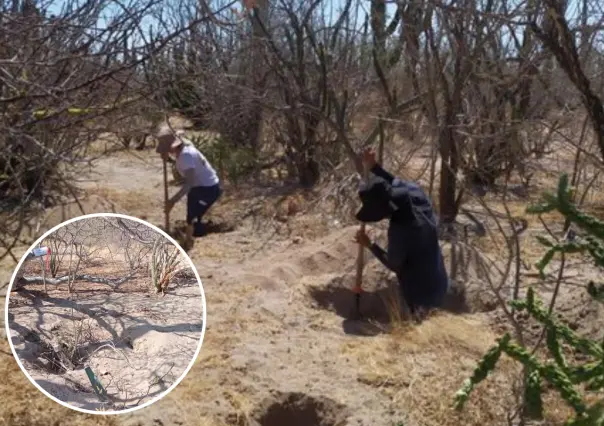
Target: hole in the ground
(209,226)
(216,227)
(34,350)
(378,305)
(178,231)
(298,409)
(337,296)
(456,300)
(53,358)
(32,336)
(469,297)
(48,360)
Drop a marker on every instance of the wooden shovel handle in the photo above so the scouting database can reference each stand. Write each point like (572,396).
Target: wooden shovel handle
(166,214)
(358,285)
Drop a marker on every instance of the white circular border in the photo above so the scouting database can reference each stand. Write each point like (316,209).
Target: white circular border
(203,307)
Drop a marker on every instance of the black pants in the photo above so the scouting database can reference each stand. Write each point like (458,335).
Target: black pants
(199,201)
(422,274)
(417,295)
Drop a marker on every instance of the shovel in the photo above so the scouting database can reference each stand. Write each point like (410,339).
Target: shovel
(358,285)
(166,214)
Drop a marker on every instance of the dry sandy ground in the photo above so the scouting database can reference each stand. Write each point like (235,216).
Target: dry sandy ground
(137,343)
(278,350)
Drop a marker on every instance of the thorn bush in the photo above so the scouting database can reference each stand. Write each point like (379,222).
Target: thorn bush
(563,376)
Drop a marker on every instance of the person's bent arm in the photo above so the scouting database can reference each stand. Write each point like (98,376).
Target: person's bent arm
(379,171)
(189,179)
(381,255)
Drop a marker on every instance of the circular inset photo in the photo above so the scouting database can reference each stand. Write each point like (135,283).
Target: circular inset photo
(105,314)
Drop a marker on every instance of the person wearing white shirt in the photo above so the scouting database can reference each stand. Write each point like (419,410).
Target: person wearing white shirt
(200,183)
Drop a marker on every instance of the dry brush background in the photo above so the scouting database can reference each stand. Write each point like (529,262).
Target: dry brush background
(485,103)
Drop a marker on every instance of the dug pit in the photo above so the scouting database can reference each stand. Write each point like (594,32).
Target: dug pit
(179,233)
(299,409)
(380,301)
(337,297)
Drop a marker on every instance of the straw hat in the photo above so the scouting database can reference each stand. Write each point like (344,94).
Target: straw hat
(168,139)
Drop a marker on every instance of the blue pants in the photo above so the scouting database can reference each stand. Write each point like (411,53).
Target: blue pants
(199,201)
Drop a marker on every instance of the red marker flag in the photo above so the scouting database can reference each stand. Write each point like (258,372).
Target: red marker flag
(48,260)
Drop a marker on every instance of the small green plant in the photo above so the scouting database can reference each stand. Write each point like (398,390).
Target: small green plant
(57,249)
(236,162)
(563,376)
(53,264)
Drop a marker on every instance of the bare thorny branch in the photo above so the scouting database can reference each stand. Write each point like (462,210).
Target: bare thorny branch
(65,78)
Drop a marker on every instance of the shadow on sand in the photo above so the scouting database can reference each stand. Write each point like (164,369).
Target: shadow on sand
(378,309)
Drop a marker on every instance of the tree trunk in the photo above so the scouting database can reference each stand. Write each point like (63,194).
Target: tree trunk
(308,170)
(448,172)
(260,23)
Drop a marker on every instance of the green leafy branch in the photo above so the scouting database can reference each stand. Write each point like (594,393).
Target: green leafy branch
(593,243)
(565,378)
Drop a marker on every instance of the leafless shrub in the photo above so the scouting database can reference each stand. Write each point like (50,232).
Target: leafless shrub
(71,73)
(135,254)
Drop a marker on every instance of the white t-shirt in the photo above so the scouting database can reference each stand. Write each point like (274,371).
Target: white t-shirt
(191,158)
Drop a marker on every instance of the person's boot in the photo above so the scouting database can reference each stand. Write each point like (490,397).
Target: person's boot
(189,241)
(198,229)
(420,314)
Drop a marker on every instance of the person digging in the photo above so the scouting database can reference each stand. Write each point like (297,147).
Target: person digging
(200,181)
(413,251)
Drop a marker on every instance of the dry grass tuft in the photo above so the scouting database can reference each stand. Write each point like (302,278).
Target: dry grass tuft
(213,356)
(133,202)
(206,381)
(420,367)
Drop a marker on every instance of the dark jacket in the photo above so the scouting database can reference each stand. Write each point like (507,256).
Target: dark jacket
(414,253)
